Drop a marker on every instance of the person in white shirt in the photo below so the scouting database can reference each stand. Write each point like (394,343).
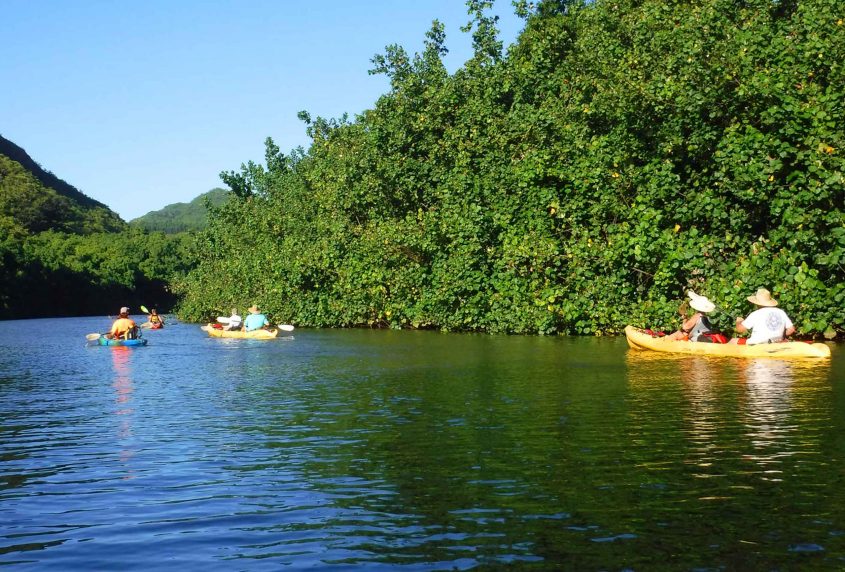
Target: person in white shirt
(767,323)
(234,321)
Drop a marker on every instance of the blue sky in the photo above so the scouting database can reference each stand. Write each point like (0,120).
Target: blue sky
(142,104)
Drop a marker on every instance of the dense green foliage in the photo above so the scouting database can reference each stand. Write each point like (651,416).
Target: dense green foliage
(60,274)
(32,207)
(51,181)
(183,217)
(62,256)
(618,154)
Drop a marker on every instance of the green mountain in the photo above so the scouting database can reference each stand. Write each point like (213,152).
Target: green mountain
(35,200)
(65,254)
(181,217)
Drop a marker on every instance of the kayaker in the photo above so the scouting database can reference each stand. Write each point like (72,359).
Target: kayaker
(235,321)
(155,320)
(693,327)
(123,327)
(256,320)
(767,323)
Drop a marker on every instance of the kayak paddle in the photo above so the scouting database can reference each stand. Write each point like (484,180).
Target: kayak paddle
(93,337)
(286,327)
(144,309)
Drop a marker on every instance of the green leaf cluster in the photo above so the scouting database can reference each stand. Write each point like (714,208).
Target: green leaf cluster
(617,155)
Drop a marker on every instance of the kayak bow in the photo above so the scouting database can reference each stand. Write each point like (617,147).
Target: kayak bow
(104,341)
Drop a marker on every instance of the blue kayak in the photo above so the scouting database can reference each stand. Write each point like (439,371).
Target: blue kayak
(104,341)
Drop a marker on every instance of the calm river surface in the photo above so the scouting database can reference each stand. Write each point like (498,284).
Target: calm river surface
(360,449)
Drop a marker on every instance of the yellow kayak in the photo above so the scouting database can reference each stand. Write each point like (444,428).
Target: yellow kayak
(253,335)
(639,339)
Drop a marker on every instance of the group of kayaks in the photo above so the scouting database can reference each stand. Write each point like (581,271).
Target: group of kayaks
(640,339)
(212,332)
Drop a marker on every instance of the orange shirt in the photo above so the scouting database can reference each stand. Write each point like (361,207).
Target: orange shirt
(121,326)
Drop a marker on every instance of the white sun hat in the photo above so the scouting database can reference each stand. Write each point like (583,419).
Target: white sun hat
(700,303)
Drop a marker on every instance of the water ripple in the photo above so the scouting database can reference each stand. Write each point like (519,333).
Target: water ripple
(413,450)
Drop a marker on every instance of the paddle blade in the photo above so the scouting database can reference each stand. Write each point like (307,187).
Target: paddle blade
(144,309)
(92,337)
(286,327)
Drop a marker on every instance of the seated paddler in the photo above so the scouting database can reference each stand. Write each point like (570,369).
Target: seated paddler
(124,327)
(695,327)
(256,320)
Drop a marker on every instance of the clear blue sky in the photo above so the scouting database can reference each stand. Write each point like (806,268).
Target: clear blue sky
(142,104)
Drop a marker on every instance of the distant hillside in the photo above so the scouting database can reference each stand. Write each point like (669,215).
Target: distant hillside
(46,178)
(65,254)
(35,200)
(181,217)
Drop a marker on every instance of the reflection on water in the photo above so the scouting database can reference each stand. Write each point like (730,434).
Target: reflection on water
(699,377)
(768,386)
(415,450)
(775,414)
(751,459)
(122,385)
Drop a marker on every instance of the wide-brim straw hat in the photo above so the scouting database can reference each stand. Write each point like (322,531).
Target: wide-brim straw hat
(700,303)
(254,309)
(762,298)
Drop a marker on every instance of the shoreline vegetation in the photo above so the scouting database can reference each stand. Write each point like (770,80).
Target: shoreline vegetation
(615,156)
(619,154)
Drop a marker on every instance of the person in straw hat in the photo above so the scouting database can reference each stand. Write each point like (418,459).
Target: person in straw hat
(693,327)
(767,323)
(256,320)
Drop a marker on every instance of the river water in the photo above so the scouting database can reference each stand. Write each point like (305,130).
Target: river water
(384,450)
